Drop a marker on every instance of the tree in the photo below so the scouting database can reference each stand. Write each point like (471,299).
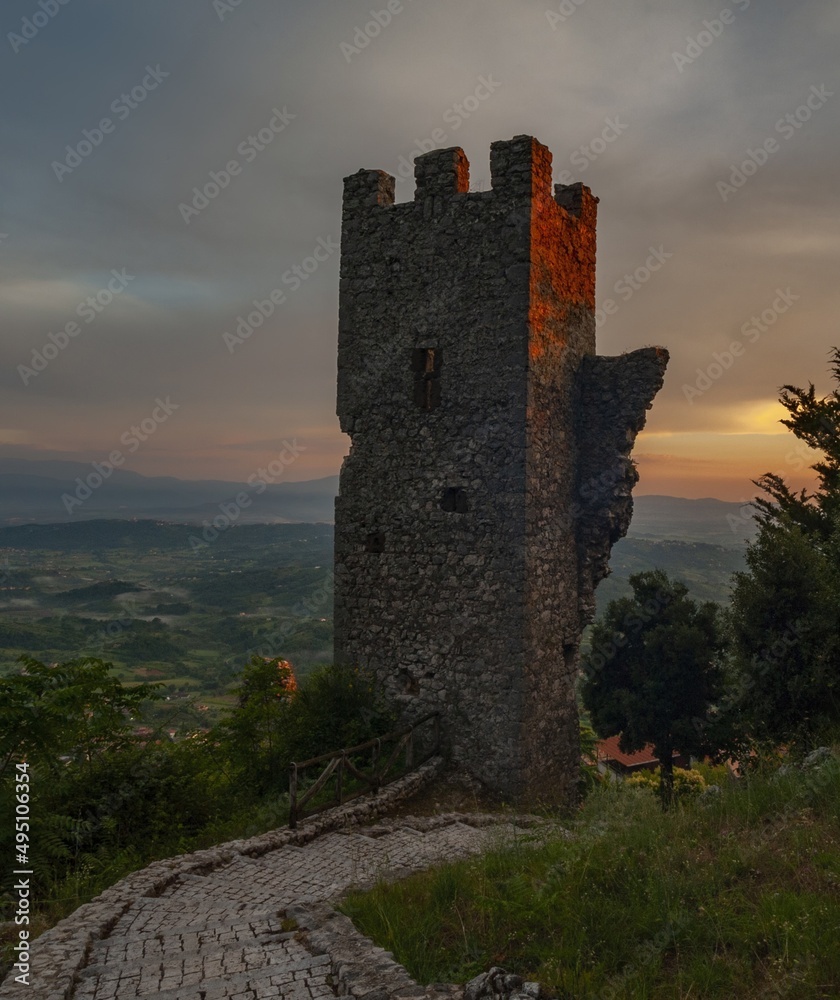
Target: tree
(785,614)
(653,672)
(256,733)
(816,422)
(338,705)
(75,709)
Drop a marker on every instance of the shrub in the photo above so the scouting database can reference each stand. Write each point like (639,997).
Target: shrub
(336,706)
(687,783)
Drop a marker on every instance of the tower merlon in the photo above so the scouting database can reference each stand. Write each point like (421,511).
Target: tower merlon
(441,173)
(368,188)
(521,167)
(579,202)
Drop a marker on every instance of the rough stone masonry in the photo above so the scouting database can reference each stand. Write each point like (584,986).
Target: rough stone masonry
(488,475)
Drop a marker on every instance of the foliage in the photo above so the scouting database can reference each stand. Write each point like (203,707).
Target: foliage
(734,897)
(785,615)
(816,422)
(713,773)
(255,735)
(652,672)
(687,782)
(785,654)
(589,774)
(109,799)
(72,710)
(338,706)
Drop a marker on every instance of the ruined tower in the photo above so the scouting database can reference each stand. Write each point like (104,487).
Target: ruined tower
(488,474)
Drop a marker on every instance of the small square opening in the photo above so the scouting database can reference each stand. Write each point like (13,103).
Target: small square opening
(375,542)
(454,500)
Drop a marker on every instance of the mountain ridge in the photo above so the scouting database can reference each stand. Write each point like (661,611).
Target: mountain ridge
(36,492)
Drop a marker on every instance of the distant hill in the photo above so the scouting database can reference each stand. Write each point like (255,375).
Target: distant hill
(715,522)
(31,493)
(705,569)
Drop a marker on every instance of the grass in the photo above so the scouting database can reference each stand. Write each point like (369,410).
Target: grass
(737,897)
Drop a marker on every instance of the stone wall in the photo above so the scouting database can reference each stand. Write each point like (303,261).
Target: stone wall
(463,571)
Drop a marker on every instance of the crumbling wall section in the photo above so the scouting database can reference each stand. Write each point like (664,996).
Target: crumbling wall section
(614,395)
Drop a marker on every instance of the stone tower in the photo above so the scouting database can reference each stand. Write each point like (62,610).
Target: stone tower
(488,474)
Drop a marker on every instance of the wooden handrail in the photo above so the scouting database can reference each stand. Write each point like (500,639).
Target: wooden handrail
(338,763)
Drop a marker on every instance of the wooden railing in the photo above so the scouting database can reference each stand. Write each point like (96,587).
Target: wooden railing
(347,770)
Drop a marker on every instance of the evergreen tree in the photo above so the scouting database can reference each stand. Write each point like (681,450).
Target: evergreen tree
(785,615)
(653,672)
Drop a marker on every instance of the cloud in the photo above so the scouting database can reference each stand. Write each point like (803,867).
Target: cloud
(657,183)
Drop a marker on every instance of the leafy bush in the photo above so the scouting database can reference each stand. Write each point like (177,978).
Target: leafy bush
(337,706)
(687,783)
(108,801)
(590,776)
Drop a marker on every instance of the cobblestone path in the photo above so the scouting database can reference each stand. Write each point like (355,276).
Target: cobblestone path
(222,935)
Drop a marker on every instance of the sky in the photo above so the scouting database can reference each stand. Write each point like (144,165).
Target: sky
(709,132)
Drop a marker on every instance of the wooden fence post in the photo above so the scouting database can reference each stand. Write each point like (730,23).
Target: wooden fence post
(340,779)
(293,785)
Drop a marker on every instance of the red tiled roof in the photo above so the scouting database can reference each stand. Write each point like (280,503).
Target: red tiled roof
(609,750)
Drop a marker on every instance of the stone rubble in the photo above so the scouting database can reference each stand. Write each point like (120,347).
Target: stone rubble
(496,984)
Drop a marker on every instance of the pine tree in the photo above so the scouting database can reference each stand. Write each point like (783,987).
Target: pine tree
(653,672)
(785,614)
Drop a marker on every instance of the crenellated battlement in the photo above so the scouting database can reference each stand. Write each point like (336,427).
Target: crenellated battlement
(520,171)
